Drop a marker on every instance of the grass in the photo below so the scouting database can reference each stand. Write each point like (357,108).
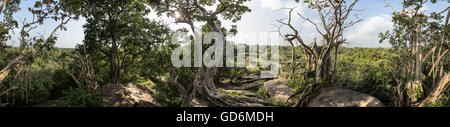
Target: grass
(234,94)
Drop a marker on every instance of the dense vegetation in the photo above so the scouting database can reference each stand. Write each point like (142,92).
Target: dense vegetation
(122,45)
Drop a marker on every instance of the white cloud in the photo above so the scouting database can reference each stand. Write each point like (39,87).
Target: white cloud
(279,4)
(366,33)
(424,8)
(271,4)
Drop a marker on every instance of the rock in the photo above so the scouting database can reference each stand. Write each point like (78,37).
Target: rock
(339,97)
(130,95)
(199,103)
(277,90)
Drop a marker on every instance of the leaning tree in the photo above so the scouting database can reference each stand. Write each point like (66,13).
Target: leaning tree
(334,18)
(43,10)
(422,42)
(31,46)
(190,12)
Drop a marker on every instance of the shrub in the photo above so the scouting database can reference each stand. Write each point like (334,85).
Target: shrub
(78,97)
(166,95)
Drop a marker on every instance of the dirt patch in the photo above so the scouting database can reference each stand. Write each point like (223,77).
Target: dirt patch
(129,95)
(278,90)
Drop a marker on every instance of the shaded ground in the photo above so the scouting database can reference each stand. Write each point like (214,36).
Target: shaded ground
(129,95)
(273,91)
(340,97)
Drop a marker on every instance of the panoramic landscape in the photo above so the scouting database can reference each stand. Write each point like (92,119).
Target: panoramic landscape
(224,53)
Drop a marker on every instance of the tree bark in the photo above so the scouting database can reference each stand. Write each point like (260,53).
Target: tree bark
(204,86)
(435,95)
(115,60)
(323,65)
(3,4)
(5,71)
(293,63)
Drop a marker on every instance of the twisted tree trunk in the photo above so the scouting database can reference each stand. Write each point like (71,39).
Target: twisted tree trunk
(205,87)
(293,63)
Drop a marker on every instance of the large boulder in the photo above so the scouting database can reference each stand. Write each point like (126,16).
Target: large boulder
(339,97)
(129,95)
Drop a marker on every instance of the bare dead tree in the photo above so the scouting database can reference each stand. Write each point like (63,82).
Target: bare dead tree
(334,19)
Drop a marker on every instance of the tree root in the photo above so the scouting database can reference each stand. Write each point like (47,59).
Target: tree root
(222,100)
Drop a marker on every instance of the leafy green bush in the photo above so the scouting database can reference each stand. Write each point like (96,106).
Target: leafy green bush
(165,94)
(298,84)
(40,79)
(261,92)
(78,97)
(369,70)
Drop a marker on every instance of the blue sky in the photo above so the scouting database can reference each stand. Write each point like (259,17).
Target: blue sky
(376,18)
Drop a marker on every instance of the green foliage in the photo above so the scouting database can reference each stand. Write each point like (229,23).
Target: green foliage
(276,103)
(166,95)
(233,93)
(8,23)
(369,71)
(38,82)
(299,85)
(78,97)
(261,92)
(121,31)
(271,101)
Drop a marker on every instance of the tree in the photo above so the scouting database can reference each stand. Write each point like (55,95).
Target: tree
(120,30)
(334,19)
(42,10)
(414,33)
(7,24)
(191,11)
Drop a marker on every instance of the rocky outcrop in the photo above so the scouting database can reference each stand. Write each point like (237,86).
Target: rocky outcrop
(339,97)
(277,90)
(129,95)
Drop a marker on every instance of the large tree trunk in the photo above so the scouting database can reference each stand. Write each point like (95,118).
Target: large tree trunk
(115,66)
(115,60)
(323,66)
(293,63)
(414,87)
(205,88)
(435,95)
(204,85)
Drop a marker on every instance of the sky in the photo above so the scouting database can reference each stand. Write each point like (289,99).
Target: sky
(263,18)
